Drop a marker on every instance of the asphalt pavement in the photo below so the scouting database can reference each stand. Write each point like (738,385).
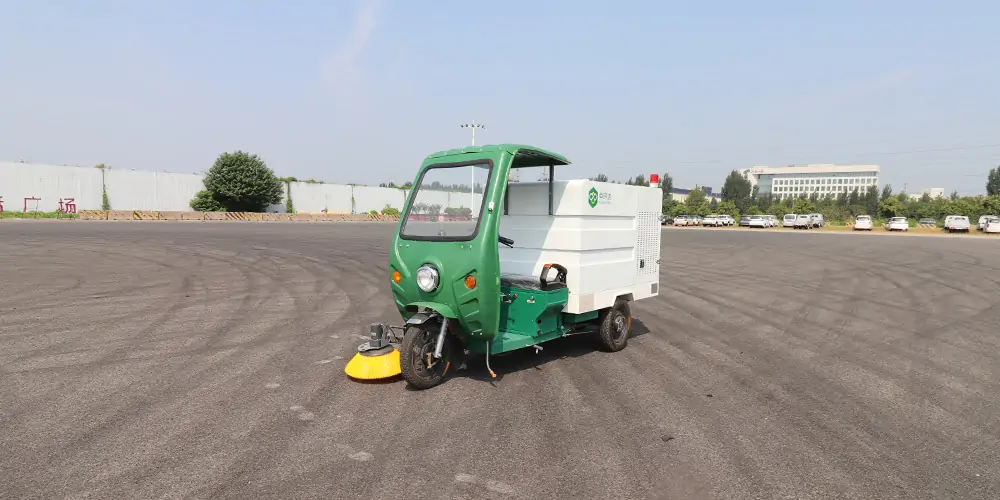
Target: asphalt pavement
(205,360)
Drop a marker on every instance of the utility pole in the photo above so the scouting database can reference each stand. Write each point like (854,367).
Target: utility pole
(472,188)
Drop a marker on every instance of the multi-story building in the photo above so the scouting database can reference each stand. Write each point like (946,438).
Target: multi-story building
(823,179)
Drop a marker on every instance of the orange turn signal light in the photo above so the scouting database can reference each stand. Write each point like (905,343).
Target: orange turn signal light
(470,282)
(396,277)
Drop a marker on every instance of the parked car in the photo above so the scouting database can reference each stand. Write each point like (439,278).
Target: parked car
(727,220)
(666,219)
(927,220)
(818,220)
(992,225)
(957,223)
(788,220)
(711,220)
(803,221)
(772,220)
(745,220)
(898,224)
(863,223)
(982,221)
(758,221)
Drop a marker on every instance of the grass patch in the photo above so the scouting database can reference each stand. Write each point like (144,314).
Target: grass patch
(37,215)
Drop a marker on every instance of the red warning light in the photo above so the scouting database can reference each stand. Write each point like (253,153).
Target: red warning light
(654,179)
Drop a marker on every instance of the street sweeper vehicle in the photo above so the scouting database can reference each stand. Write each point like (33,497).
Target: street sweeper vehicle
(481,264)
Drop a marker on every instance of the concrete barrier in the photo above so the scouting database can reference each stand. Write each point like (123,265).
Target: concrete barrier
(93,215)
(172,215)
(145,215)
(120,215)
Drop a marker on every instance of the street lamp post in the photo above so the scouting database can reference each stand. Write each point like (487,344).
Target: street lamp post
(472,188)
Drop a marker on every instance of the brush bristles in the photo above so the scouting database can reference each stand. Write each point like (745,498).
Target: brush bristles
(373,367)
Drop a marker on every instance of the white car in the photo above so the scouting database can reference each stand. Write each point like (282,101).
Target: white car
(897,224)
(863,223)
(803,221)
(818,220)
(727,220)
(982,221)
(992,225)
(758,221)
(788,220)
(711,220)
(773,220)
(957,223)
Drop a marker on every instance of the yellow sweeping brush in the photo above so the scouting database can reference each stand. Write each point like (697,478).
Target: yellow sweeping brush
(376,359)
(374,365)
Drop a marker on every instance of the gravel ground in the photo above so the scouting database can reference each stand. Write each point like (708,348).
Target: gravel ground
(205,360)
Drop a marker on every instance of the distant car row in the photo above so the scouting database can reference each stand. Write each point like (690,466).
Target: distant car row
(803,221)
(952,223)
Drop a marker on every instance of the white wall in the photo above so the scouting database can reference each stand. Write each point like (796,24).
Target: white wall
(138,190)
(314,198)
(143,190)
(50,183)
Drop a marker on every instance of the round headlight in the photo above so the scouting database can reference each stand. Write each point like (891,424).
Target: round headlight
(427,278)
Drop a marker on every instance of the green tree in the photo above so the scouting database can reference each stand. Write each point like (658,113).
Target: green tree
(728,208)
(667,185)
(640,180)
(886,192)
(240,182)
(991,205)
(803,206)
(737,189)
(696,197)
(870,200)
(889,207)
(289,206)
(855,197)
(205,202)
(993,182)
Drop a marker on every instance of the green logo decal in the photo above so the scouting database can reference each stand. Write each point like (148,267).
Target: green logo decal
(592,199)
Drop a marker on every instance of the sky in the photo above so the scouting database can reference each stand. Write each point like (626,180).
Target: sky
(362,90)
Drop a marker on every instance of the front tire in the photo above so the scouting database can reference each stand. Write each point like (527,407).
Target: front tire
(616,326)
(417,346)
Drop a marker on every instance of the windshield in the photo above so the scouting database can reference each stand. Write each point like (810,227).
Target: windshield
(863,218)
(443,206)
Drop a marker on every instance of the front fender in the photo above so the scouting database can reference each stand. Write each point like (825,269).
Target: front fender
(438,307)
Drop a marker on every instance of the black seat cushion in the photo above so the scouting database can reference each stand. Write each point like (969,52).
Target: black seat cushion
(527,282)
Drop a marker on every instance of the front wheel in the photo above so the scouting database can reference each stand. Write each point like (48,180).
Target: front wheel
(416,356)
(616,325)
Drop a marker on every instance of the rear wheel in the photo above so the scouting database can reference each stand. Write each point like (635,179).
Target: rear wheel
(416,356)
(616,325)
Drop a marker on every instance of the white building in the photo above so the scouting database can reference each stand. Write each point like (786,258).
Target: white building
(823,179)
(932,192)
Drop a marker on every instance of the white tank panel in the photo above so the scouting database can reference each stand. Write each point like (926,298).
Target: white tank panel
(606,235)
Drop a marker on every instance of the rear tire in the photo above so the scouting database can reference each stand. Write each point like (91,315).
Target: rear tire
(418,342)
(616,326)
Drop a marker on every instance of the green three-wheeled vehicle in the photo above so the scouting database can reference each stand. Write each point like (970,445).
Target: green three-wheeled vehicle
(458,295)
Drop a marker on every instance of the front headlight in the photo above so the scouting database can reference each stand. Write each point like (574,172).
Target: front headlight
(427,278)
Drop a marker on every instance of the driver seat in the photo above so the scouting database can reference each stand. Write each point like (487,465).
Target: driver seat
(525,282)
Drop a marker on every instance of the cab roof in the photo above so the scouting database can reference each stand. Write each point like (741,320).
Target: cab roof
(524,155)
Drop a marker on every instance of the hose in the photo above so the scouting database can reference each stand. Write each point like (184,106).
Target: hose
(494,375)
